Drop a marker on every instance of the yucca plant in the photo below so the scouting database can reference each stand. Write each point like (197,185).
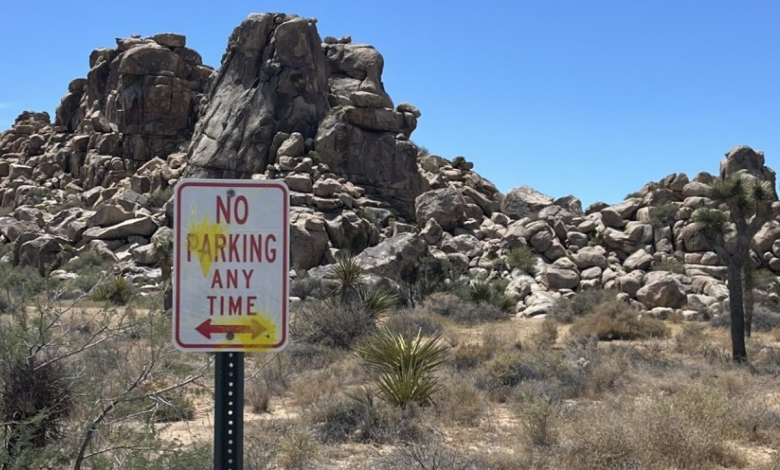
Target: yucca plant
(118,291)
(348,274)
(377,300)
(405,365)
(480,290)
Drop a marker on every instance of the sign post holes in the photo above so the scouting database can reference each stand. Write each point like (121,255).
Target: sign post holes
(231,265)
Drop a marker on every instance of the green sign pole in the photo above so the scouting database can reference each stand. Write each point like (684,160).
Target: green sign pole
(229,411)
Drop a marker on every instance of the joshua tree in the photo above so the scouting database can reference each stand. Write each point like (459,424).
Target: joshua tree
(746,202)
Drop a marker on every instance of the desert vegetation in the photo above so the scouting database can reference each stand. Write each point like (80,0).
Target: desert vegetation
(368,382)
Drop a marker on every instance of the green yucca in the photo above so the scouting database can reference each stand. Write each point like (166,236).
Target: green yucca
(405,365)
(348,274)
(377,300)
(480,290)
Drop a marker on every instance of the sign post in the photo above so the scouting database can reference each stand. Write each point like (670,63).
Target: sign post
(231,262)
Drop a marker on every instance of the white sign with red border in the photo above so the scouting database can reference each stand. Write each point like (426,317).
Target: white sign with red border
(231,265)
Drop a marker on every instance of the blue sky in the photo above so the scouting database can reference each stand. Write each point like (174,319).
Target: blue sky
(570,97)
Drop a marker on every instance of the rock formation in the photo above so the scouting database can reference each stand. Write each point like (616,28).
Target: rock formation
(286,105)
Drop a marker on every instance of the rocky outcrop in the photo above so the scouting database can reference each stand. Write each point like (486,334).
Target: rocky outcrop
(273,79)
(286,106)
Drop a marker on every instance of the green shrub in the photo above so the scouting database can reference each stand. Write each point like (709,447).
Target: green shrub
(331,322)
(460,311)
(405,365)
(663,216)
(117,290)
(408,323)
(764,319)
(539,417)
(174,408)
(348,274)
(159,197)
(427,276)
(566,310)
(522,258)
(615,320)
(35,401)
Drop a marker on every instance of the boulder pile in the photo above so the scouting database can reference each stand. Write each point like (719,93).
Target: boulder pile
(287,105)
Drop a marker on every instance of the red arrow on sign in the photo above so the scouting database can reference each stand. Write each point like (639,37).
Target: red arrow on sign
(207,328)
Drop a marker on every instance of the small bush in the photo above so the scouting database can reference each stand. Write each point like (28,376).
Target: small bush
(332,323)
(461,403)
(258,397)
(471,355)
(764,319)
(298,450)
(468,313)
(117,290)
(358,418)
(663,216)
(405,365)
(408,323)
(426,276)
(539,418)
(615,320)
(522,258)
(566,310)
(35,401)
(671,265)
(173,408)
(510,368)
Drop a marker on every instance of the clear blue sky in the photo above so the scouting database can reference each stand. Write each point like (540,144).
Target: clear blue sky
(588,98)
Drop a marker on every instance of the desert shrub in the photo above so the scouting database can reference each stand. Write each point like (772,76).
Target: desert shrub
(468,313)
(35,401)
(20,283)
(298,450)
(510,368)
(522,258)
(764,319)
(603,440)
(663,216)
(616,320)
(173,408)
(306,287)
(691,340)
(426,276)
(686,430)
(566,310)
(461,403)
(539,417)
(359,418)
(671,265)
(376,299)
(471,355)
(482,291)
(90,267)
(408,323)
(332,323)
(405,365)
(545,335)
(429,455)
(258,397)
(116,290)
(635,194)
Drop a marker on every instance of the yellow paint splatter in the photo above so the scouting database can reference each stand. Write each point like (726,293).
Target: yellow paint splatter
(201,240)
(258,337)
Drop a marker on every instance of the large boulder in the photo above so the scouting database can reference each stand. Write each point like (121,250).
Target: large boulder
(140,227)
(393,256)
(446,206)
(273,78)
(745,158)
(664,291)
(41,253)
(524,201)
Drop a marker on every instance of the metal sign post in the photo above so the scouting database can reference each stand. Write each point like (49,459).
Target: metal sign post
(231,265)
(229,411)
